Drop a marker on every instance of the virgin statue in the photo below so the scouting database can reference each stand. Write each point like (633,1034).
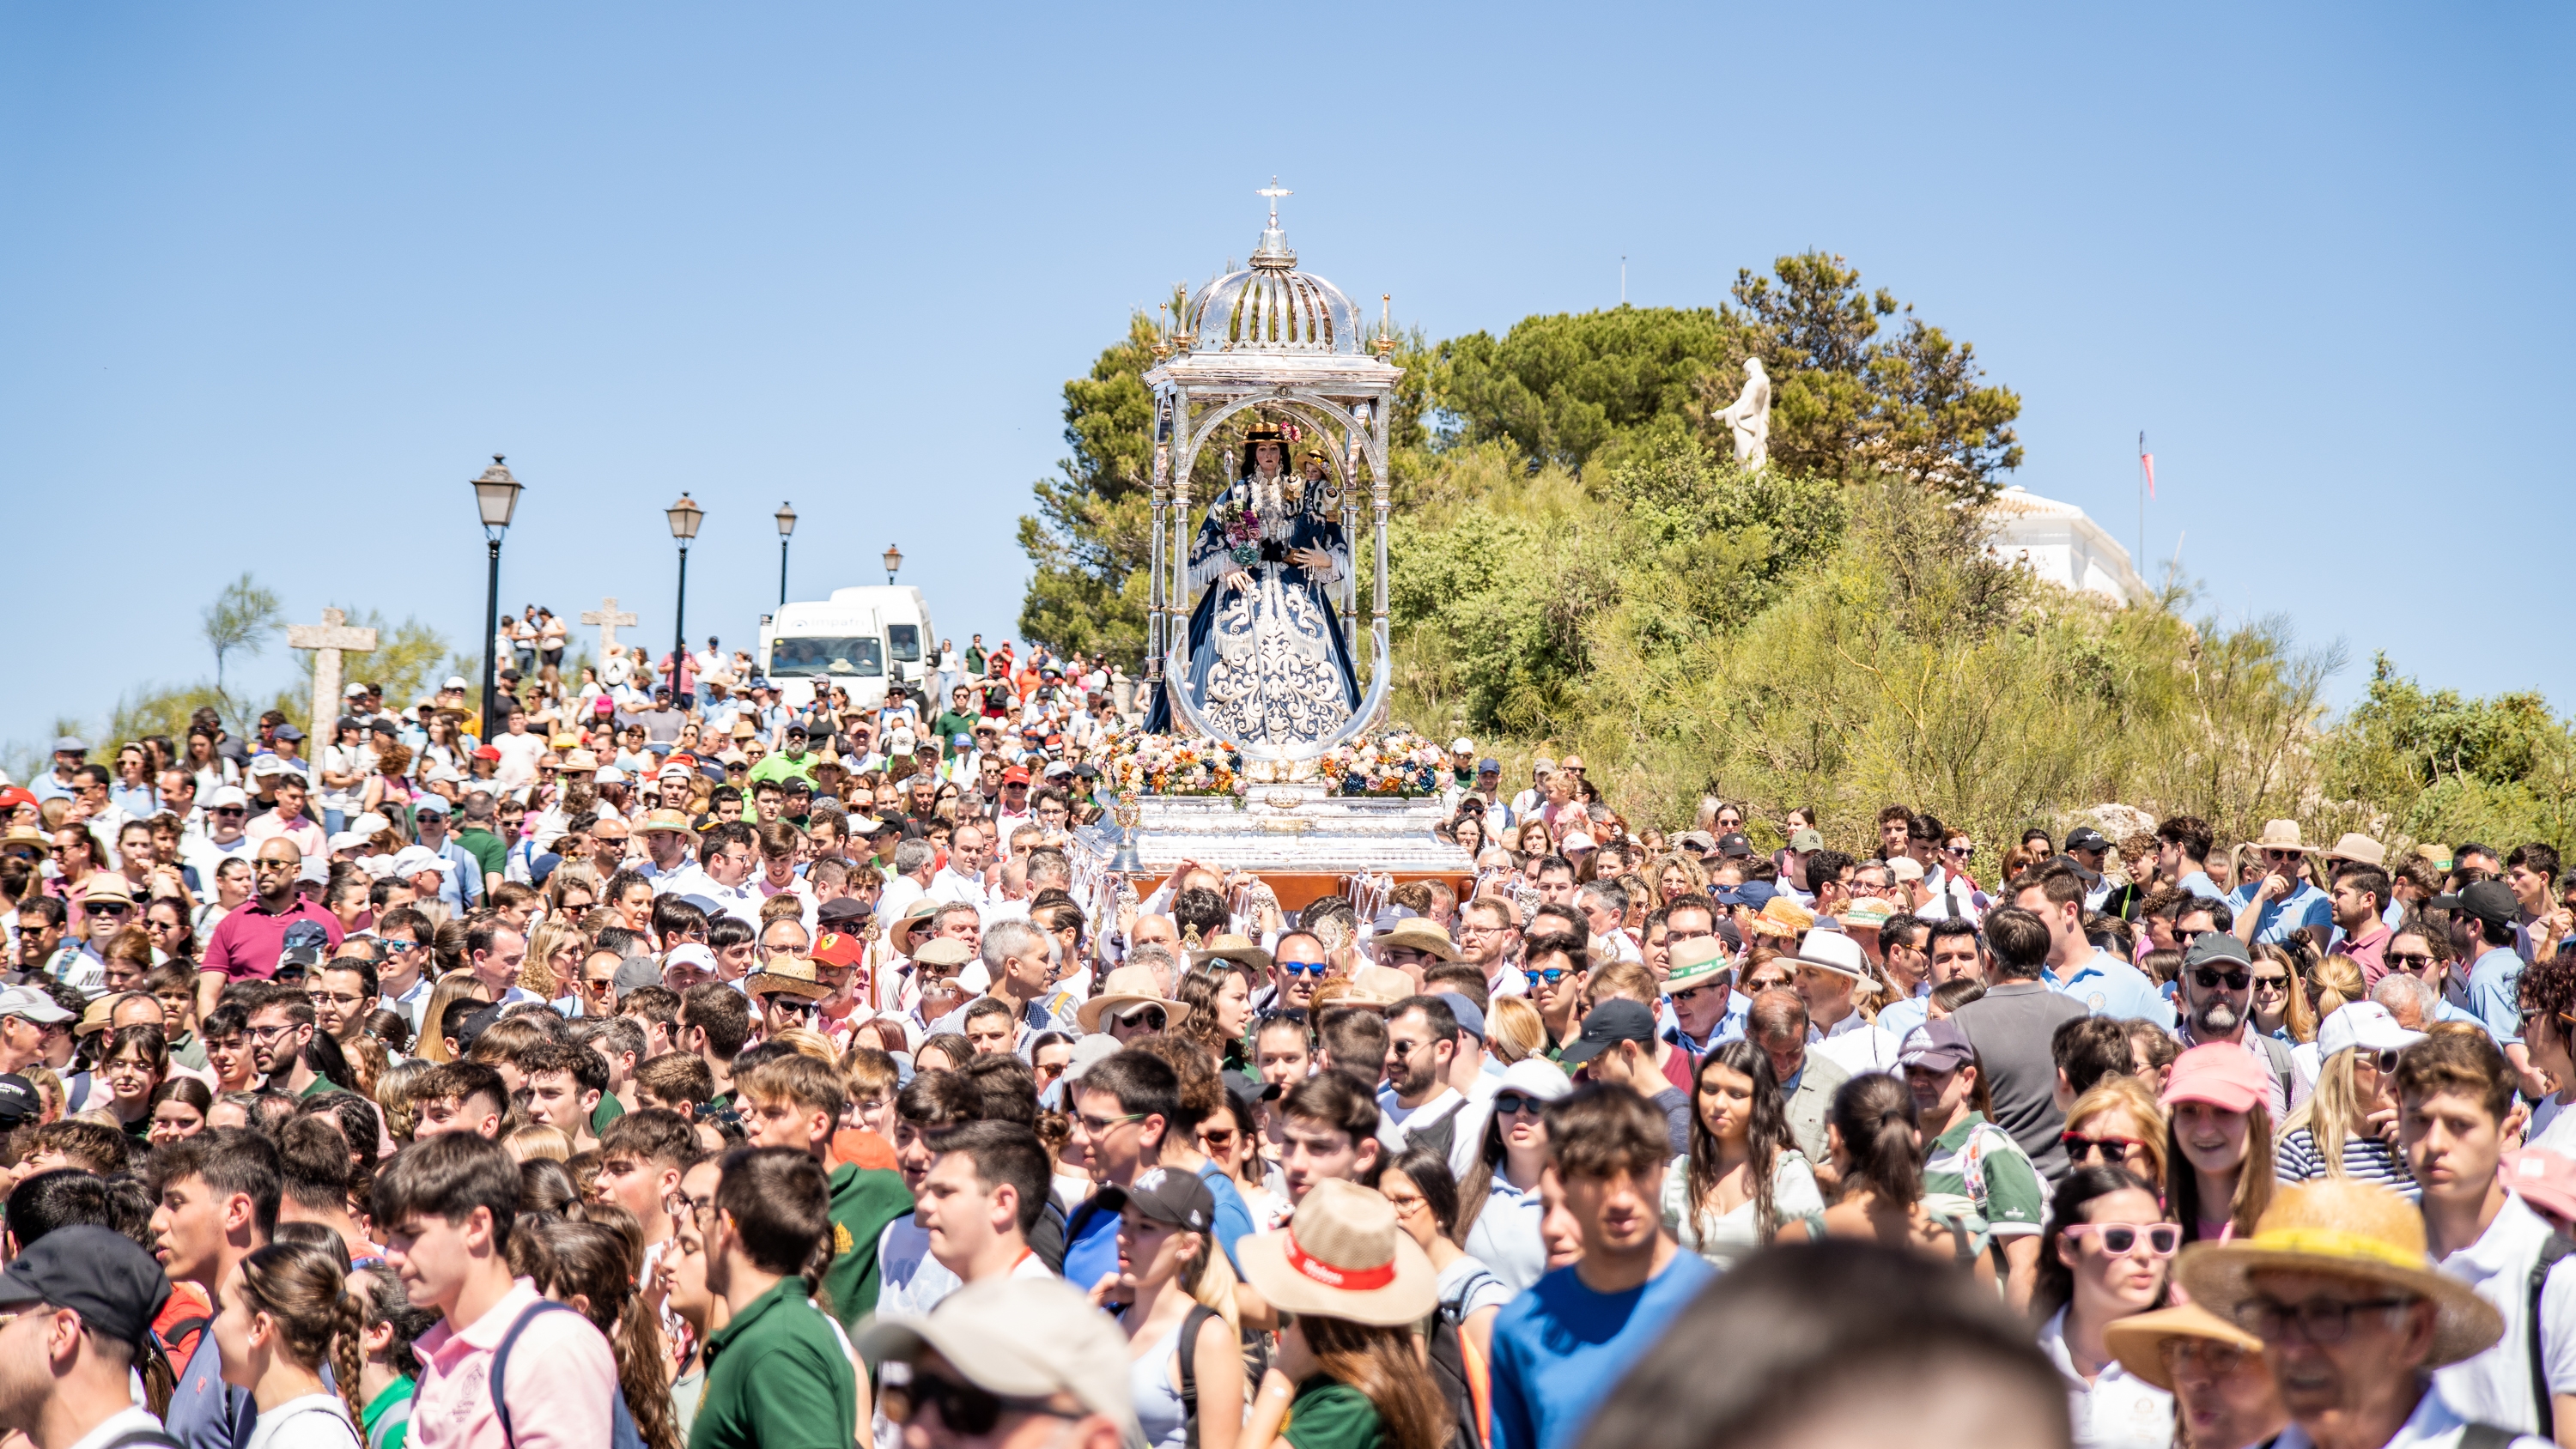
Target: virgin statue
(1267,660)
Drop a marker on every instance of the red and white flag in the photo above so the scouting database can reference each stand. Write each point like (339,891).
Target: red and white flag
(2147,461)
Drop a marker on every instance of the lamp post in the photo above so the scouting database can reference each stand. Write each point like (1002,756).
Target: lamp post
(684,516)
(786,526)
(893,561)
(496,497)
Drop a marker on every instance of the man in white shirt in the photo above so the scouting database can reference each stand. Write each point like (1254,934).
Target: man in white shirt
(962,879)
(519,752)
(1832,975)
(913,863)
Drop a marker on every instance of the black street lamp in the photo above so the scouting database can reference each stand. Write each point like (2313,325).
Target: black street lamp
(684,516)
(786,526)
(893,561)
(496,497)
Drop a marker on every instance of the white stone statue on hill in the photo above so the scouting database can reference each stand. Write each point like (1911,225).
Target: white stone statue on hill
(1749,417)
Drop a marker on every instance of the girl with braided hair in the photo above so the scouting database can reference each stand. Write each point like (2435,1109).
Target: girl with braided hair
(286,1308)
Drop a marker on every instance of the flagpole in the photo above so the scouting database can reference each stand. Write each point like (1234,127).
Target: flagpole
(2142,499)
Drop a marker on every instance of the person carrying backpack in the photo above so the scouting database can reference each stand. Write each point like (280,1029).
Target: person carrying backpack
(502,1366)
(1187,1384)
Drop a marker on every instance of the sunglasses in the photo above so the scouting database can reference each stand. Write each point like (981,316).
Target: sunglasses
(1552,974)
(787,1005)
(965,1409)
(1513,1104)
(2209,980)
(1149,1017)
(2119,1239)
(2113,1149)
(2409,960)
(1305,968)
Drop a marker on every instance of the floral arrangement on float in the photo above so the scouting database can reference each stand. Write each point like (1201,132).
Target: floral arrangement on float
(1397,763)
(1169,765)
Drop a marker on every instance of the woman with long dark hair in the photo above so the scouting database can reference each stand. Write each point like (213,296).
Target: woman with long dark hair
(1743,1178)
(594,1266)
(1347,1375)
(2219,1151)
(2105,1258)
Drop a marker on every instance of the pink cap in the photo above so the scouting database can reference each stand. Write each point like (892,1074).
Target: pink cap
(2225,1076)
(2543,1179)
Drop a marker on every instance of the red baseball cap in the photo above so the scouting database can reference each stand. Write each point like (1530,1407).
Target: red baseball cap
(2542,1178)
(835,949)
(488,752)
(1016,775)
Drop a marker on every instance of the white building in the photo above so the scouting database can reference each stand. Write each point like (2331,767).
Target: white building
(2062,545)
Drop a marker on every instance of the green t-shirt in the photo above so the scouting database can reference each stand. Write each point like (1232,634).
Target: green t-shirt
(396,1395)
(485,847)
(780,767)
(608,1110)
(776,1378)
(1979,1161)
(864,1200)
(950,725)
(1330,1414)
(975,659)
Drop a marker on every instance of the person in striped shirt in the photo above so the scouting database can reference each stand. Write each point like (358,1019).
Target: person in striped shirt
(2348,1127)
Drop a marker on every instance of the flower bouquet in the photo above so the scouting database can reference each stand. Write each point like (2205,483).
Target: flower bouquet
(1397,763)
(1243,530)
(1167,765)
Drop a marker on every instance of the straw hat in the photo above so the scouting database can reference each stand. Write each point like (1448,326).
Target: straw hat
(2139,1342)
(1122,991)
(1229,947)
(1377,986)
(2281,835)
(666,819)
(1784,918)
(2346,1229)
(943,951)
(1696,962)
(793,975)
(914,917)
(1343,1257)
(2354,846)
(1421,934)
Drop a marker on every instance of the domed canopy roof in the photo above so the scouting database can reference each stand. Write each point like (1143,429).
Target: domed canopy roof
(1271,306)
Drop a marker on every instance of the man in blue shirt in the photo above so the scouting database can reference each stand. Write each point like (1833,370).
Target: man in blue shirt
(1561,1346)
(2495,977)
(2105,984)
(2183,843)
(1128,1117)
(2278,902)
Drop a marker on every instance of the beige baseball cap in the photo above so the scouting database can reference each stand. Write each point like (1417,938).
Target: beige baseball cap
(1017,1338)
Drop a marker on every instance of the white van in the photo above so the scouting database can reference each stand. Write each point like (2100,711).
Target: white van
(860,639)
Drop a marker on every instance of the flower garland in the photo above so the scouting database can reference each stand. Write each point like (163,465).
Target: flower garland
(1398,764)
(1169,765)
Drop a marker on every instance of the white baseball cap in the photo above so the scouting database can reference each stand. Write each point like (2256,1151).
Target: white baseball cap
(228,797)
(2364,1024)
(411,860)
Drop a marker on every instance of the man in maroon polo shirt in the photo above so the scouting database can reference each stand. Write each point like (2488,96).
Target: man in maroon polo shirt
(246,944)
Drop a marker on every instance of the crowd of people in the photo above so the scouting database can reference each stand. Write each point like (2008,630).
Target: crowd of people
(676,1065)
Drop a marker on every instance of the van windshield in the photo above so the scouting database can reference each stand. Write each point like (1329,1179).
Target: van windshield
(810,656)
(905,642)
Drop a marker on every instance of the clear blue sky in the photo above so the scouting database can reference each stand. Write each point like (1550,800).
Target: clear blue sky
(275,280)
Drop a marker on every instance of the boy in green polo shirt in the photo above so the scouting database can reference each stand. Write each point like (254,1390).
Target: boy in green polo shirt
(776,1375)
(795,1102)
(1973,1162)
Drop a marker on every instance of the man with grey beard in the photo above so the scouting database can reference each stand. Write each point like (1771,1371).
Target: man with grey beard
(2217,989)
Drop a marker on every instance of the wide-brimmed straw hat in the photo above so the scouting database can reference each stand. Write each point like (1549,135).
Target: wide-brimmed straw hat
(914,917)
(1421,934)
(2139,1342)
(2344,1229)
(793,975)
(2281,835)
(1696,962)
(1230,947)
(1122,991)
(2354,846)
(1784,919)
(1344,1256)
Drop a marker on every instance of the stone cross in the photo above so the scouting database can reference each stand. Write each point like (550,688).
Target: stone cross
(609,620)
(328,640)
